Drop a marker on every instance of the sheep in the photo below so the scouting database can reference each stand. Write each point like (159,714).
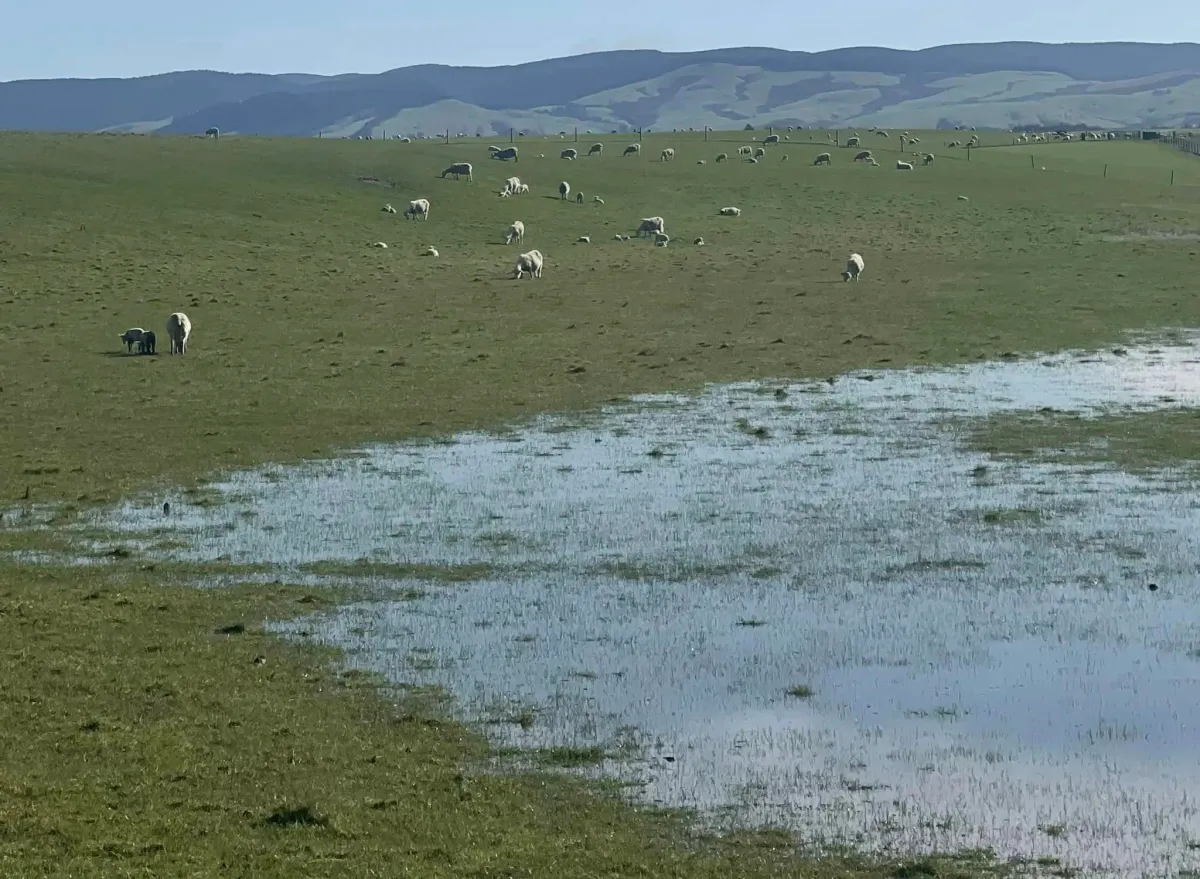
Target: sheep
(823,159)
(504,193)
(406,140)
(131,337)
(854,268)
(963,198)
(871,161)
(579,198)
(667,155)
(903,166)
(730,212)
(524,190)
(652,225)
(569,154)
(458,169)
(512,185)
(759,153)
(852,142)
(771,138)
(863,156)
(506,154)
(701,162)
(662,239)
(632,150)
(927,159)
(388,209)
(699,242)
(179,328)
(583,239)
(882,133)
(913,140)
(596,149)
(745,150)
(723,157)
(431,251)
(752,161)
(380,245)
(417,208)
(618,237)
(564,189)
(516,232)
(529,264)
(214,133)
(492,150)
(148,342)
(783,158)
(597,199)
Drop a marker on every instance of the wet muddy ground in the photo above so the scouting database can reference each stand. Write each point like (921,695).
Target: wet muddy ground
(803,604)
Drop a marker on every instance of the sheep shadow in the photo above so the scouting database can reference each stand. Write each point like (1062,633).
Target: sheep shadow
(124,354)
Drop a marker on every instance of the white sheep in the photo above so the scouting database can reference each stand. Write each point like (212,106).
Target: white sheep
(863,156)
(632,149)
(584,239)
(667,155)
(512,185)
(731,212)
(596,149)
(771,138)
(723,157)
(131,337)
(699,242)
(380,245)
(963,198)
(618,237)
(752,160)
(504,193)
(854,268)
(662,239)
(418,207)
(903,166)
(179,328)
(745,150)
(564,189)
(651,225)
(460,169)
(388,209)
(927,159)
(431,251)
(569,154)
(823,159)
(505,154)
(701,162)
(529,264)
(852,142)
(759,153)
(516,232)
(524,190)
(597,199)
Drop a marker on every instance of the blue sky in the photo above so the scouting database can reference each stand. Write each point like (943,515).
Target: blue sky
(60,38)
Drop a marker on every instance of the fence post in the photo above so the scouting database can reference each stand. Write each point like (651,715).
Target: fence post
(447,137)
(1031,165)
(1172,176)
(639,135)
(968,152)
(1106,170)
(706,134)
(576,134)
(510,135)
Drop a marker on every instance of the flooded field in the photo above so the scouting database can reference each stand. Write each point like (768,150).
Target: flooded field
(801,604)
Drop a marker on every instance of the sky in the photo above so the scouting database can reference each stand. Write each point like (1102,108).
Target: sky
(85,38)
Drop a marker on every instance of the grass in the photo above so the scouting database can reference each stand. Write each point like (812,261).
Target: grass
(1140,443)
(135,738)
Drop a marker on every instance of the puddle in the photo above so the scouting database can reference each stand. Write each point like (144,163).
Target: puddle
(975,655)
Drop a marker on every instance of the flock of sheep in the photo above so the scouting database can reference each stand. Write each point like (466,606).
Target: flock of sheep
(179,329)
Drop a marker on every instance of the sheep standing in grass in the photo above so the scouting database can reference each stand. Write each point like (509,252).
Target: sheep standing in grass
(730,212)
(771,138)
(745,150)
(131,337)
(569,154)
(863,156)
(418,207)
(854,268)
(564,189)
(512,185)
(529,264)
(596,149)
(148,342)
(759,153)
(579,198)
(903,166)
(459,169)
(652,225)
(823,159)
(179,328)
(927,159)
(852,142)
(723,157)
(667,155)
(516,232)
(662,239)
(506,154)
(524,190)
(632,150)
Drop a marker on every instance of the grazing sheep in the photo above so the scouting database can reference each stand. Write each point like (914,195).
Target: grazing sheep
(632,150)
(913,140)
(492,150)
(783,158)
(596,149)
(963,198)
(882,133)
(852,142)
(529,264)
(406,140)
(506,154)
(417,208)
(131,337)
(512,185)
(730,212)
(701,162)
(745,150)
(564,189)
(380,245)
(583,239)
(759,153)
(651,225)
(752,161)
(903,166)
(699,242)
(662,239)
(570,154)
(431,251)
(771,138)
(524,190)
(179,328)
(214,133)
(597,199)
(579,198)
(388,209)
(723,157)
(459,169)
(516,232)
(854,268)
(618,237)
(863,156)
(927,159)
(871,161)
(667,155)
(823,159)
(148,342)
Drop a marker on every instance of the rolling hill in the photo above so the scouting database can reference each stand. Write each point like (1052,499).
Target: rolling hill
(992,85)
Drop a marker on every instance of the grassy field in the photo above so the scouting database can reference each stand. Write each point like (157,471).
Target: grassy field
(135,741)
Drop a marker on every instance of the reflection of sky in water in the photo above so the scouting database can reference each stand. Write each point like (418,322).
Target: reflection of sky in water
(973,678)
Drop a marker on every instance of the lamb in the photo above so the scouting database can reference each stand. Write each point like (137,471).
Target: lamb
(459,169)
(823,159)
(417,208)
(854,268)
(730,212)
(516,232)
(179,328)
(632,150)
(569,154)
(564,189)
(903,166)
(131,337)
(506,154)
(652,225)
(662,239)
(596,149)
(927,159)
(771,138)
(863,156)
(723,157)
(852,142)
(529,264)
(388,209)
(148,342)
(524,189)
(667,155)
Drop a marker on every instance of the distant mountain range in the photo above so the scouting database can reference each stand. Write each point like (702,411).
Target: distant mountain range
(992,85)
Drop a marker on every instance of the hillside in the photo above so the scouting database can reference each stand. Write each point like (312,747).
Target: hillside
(1000,85)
